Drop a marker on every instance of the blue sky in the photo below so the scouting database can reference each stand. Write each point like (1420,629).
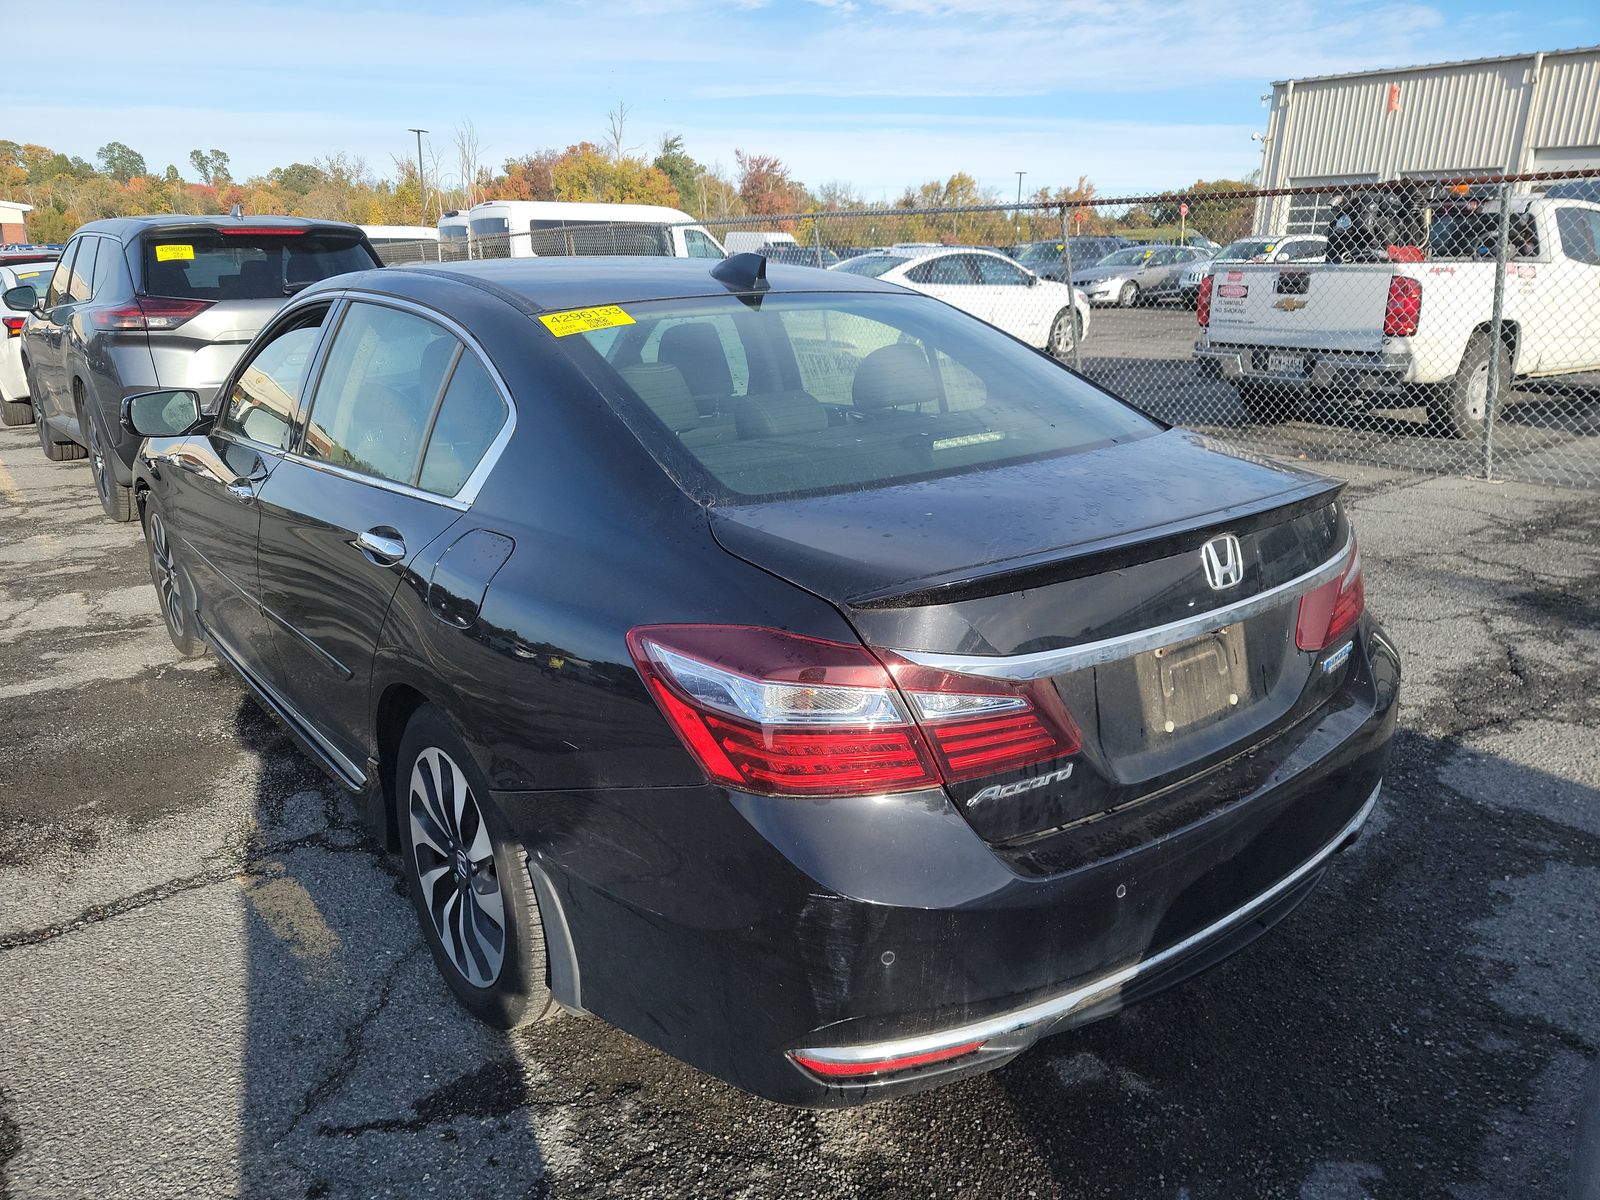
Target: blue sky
(1136,94)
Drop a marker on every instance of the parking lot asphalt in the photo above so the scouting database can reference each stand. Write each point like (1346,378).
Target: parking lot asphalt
(211,983)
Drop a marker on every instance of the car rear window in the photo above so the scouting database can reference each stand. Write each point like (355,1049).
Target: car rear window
(214,265)
(815,393)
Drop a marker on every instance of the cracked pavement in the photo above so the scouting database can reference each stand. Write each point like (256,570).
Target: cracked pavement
(211,982)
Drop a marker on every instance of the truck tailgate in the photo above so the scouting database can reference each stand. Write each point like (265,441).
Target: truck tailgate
(1315,306)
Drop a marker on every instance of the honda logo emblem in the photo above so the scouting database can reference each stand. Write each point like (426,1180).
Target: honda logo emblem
(1223,559)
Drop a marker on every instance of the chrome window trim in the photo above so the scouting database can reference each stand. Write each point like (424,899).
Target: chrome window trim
(1047,1011)
(463,499)
(1026,667)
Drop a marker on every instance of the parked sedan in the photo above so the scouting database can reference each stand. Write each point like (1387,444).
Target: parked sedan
(1138,273)
(170,301)
(1049,259)
(19,269)
(900,699)
(1286,248)
(987,284)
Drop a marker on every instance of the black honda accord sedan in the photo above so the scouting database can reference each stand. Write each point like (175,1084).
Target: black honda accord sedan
(807,678)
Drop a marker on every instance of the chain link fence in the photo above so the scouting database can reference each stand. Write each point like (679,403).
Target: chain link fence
(1444,325)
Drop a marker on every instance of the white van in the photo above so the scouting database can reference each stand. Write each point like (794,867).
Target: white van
(531,228)
(403,243)
(455,238)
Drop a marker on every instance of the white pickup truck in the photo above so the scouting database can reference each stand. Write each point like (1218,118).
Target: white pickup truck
(1414,328)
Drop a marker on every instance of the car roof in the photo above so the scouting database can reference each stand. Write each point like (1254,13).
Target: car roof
(129,226)
(558,284)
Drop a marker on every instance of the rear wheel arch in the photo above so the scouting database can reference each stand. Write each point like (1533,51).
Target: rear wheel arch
(394,710)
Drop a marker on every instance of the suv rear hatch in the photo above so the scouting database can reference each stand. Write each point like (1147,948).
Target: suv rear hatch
(1085,576)
(206,290)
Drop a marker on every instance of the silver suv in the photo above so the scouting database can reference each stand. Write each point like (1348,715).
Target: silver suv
(139,303)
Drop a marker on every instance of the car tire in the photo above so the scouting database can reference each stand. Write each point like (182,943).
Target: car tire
(1065,329)
(172,592)
(460,862)
(16,412)
(1129,295)
(1267,404)
(1460,408)
(116,500)
(58,451)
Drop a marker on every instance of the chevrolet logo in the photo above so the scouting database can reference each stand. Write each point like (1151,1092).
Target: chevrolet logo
(1290,304)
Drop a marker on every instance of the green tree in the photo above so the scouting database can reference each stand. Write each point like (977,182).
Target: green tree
(212,167)
(120,161)
(172,175)
(298,178)
(681,171)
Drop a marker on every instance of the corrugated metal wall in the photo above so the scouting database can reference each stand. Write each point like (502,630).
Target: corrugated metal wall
(1466,117)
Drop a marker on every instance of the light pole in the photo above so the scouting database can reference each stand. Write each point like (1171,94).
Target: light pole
(1017,215)
(421,189)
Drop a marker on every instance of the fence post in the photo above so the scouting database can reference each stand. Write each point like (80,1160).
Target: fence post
(1496,323)
(816,237)
(1072,288)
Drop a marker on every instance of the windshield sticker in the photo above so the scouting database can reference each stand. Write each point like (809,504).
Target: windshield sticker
(585,320)
(170,253)
(968,439)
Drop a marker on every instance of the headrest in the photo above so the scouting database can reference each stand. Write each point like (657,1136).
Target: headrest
(779,414)
(696,350)
(661,387)
(892,376)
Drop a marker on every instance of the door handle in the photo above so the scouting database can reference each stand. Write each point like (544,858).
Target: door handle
(379,546)
(242,490)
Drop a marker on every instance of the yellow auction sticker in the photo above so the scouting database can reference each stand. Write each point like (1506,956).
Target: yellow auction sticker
(585,320)
(169,253)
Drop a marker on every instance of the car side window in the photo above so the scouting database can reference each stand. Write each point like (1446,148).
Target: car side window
(1580,234)
(471,416)
(261,405)
(57,292)
(80,285)
(996,272)
(377,392)
(949,270)
(699,245)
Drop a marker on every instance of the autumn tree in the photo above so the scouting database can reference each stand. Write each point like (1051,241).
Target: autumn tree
(765,186)
(120,161)
(586,172)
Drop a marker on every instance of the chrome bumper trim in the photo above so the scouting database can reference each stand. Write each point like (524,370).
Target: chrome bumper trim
(1044,1012)
(1024,667)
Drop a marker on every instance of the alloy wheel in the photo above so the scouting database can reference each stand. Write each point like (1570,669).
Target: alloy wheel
(1062,335)
(455,868)
(164,571)
(97,463)
(1478,393)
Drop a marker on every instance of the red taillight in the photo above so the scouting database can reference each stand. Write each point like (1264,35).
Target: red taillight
(260,231)
(879,1066)
(1329,612)
(153,313)
(1404,308)
(14,325)
(782,714)
(1202,304)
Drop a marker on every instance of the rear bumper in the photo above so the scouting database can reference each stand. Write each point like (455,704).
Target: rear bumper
(1375,370)
(733,931)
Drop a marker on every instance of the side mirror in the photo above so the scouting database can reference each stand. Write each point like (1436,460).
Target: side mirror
(21,298)
(1033,280)
(160,414)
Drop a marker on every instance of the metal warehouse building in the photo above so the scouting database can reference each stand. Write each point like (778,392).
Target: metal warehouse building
(1532,112)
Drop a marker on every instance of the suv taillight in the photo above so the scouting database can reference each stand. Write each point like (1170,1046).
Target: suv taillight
(786,715)
(1202,304)
(1330,611)
(14,325)
(153,313)
(1404,307)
